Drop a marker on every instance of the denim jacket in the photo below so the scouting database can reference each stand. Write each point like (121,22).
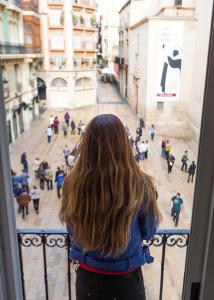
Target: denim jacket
(135,255)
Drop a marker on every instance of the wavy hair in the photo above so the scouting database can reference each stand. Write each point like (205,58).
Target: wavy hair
(106,187)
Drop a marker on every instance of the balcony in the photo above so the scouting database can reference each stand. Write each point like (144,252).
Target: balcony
(30,5)
(11,48)
(46,239)
(87,3)
(84,23)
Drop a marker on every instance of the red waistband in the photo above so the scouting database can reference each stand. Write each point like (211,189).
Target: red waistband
(87,268)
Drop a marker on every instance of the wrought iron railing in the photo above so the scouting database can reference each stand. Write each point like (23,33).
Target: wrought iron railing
(11,48)
(61,239)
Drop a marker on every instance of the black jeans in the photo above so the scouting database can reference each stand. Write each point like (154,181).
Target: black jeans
(169,169)
(58,191)
(49,184)
(110,287)
(175,215)
(36,204)
(24,208)
(184,166)
(189,176)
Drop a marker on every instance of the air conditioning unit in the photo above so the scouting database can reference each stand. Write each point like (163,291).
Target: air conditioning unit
(178,3)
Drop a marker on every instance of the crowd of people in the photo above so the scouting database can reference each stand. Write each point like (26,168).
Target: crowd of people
(46,178)
(68,122)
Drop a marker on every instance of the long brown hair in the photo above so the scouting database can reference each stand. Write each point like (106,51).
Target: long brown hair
(105,189)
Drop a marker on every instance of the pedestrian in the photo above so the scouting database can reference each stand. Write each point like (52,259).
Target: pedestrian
(24,181)
(23,201)
(66,153)
(191,171)
(109,214)
(170,162)
(35,196)
(15,181)
(176,207)
(137,140)
(80,127)
(49,134)
(65,129)
(41,176)
(127,129)
(56,125)
(59,182)
(67,118)
(58,171)
(70,160)
(24,162)
(142,149)
(152,132)
(73,126)
(51,122)
(184,161)
(48,174)
(17,192)
(147,149)
(36,164)
(139,132)
(167,148)
(131,140)
(163,146)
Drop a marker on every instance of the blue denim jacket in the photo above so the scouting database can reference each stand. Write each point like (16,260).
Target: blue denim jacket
(135,255)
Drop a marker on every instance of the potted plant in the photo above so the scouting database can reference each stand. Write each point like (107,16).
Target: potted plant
(62,18)
(82,20)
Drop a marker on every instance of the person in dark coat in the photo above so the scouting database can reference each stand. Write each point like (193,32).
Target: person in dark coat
(67,118)
(191,171)
(184,161)
(170,162)
(73,127)
(24,162)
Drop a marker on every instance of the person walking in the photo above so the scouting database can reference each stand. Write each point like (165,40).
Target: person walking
(191,171)
(170,162)
(56,125)
(152,132)
(147,149)
(167,148)
(67,118)
(24,181)
(163,147)
(80,127)
(35,167)
(49,134)
(24,162)
(48,174)
(59,183)
(66,153)
(70,160)
(184,161)
(15,181)
(23,201)
(73,126)
(139,132)
(51,122)
(118,215)
(35,196)
(65,129)
(41,176)
(142,149)
(176,207)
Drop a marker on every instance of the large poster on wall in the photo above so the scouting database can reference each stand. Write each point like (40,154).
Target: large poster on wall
(169,60)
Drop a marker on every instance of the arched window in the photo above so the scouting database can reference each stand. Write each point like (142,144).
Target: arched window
(84,83)
(59,82)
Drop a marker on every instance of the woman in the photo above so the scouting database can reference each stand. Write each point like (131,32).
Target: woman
(110,207)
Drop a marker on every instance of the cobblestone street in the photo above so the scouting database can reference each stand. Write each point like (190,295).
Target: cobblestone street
(34,143)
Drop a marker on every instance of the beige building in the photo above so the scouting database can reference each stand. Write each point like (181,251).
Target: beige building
(158,65)
(68,32)
(110,37)
(18,71)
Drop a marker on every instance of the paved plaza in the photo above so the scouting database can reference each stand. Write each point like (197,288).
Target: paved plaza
(34,143)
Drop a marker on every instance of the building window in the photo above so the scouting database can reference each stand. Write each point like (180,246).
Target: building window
(57,60)
(160,106)
(55,17)
(57,40)
(59,82)
(28,39)
(56,1)
(84,83)
(89,42)
(77,41)
(77,61)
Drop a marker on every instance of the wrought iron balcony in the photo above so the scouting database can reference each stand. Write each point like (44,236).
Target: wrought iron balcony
(11,48)
(61,239)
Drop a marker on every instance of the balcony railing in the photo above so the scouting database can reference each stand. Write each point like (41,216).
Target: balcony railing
(11,48)
(61,239)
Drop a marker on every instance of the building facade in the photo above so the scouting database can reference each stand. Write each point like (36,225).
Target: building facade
(110,37)
(157,77)
(68,30)
(18,70)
